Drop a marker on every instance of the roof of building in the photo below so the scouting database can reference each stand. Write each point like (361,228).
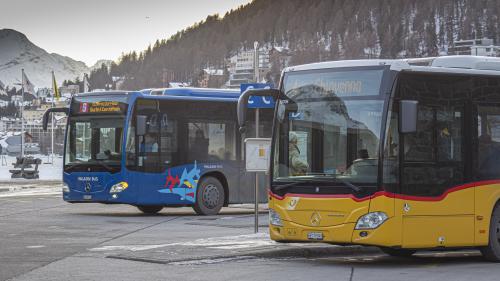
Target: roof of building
(215,72)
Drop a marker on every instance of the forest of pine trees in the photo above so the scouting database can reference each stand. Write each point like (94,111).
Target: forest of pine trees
(315,30)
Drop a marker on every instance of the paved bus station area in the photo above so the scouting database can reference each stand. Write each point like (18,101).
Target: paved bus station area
(45,238)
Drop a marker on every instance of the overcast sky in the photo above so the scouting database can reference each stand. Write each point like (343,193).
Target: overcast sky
(89,30)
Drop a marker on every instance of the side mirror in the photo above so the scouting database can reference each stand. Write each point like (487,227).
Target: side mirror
(46,115)
(290,108)
(243,103)
(140,125)
(408,113)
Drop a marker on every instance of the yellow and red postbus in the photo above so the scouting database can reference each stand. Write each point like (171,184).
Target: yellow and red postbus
(400,154)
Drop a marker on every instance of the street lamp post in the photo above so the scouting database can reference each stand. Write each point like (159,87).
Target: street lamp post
(256,61)
(256,76)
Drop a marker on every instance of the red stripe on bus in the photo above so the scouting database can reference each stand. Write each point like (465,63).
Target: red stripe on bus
(388,194)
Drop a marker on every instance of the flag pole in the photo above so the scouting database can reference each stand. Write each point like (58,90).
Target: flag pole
(52,131)
(22,113)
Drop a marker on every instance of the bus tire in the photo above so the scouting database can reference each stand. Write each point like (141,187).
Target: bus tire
(398,252)
(209,197)
(150,209)
(492,251)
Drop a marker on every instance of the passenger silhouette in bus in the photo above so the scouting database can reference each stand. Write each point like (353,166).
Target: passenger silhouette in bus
(363,154)
(199,148)
(445,144)
(150,144)
(298,166)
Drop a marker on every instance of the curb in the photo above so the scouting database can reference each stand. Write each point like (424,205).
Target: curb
(291,252)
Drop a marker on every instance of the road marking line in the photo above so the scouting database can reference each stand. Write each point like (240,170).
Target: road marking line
(35,246)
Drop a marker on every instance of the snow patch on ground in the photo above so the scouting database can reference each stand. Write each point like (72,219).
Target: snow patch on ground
(211,261)
(222,243)
(39,191)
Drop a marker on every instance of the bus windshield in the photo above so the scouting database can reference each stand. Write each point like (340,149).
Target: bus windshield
(95,134)
(328,126)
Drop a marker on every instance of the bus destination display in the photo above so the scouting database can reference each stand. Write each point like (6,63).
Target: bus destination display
(100,107)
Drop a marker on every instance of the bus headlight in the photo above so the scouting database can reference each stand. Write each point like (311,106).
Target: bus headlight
(371,220)
(65,188)
(119,187)
(275,218)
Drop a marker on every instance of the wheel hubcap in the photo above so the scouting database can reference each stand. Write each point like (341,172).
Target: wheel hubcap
(210,196)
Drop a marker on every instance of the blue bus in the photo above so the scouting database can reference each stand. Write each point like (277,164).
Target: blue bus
(157,148)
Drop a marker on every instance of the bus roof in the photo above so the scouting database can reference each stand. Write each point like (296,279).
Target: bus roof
(207,94)
(472,65)
(198,92)
(108,93)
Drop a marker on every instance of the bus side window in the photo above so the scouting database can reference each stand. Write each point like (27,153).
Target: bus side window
(488,139)
(419,147)
(149,146)
(168,141)
(214,141)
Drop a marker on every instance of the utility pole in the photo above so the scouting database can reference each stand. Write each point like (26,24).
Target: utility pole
(22,113)
(256,69)
(256,61)
(52,129)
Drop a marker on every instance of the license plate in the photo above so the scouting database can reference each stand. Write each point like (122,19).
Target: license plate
(315,235)
(87,197)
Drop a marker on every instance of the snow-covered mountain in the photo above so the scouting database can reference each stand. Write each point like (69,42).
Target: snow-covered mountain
(99,63)
(18,52)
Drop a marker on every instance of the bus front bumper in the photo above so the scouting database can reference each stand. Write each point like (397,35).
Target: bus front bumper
(344,234)
(104,196)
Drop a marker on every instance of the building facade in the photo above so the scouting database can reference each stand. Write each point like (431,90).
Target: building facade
(242,70)
(475,47)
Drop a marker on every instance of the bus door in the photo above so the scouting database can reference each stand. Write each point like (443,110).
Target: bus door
(149,155)
(436,206)
(486,160)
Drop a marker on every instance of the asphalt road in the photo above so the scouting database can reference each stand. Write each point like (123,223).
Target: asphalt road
(44,238)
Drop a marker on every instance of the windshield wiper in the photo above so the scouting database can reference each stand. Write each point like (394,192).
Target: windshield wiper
(72,165)
(346,183)
(102,164)
(107,167)
(349,184)
(287,185)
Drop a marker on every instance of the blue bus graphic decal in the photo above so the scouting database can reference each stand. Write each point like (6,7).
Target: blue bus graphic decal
(188,180)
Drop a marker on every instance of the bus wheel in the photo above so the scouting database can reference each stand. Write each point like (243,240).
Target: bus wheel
(398,252)
(492,251)
(209,197)
(150,209)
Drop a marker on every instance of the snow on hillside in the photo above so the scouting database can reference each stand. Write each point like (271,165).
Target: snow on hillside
(17,52)
(99,63)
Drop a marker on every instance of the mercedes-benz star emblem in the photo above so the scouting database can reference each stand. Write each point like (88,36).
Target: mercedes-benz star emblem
(315,219)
